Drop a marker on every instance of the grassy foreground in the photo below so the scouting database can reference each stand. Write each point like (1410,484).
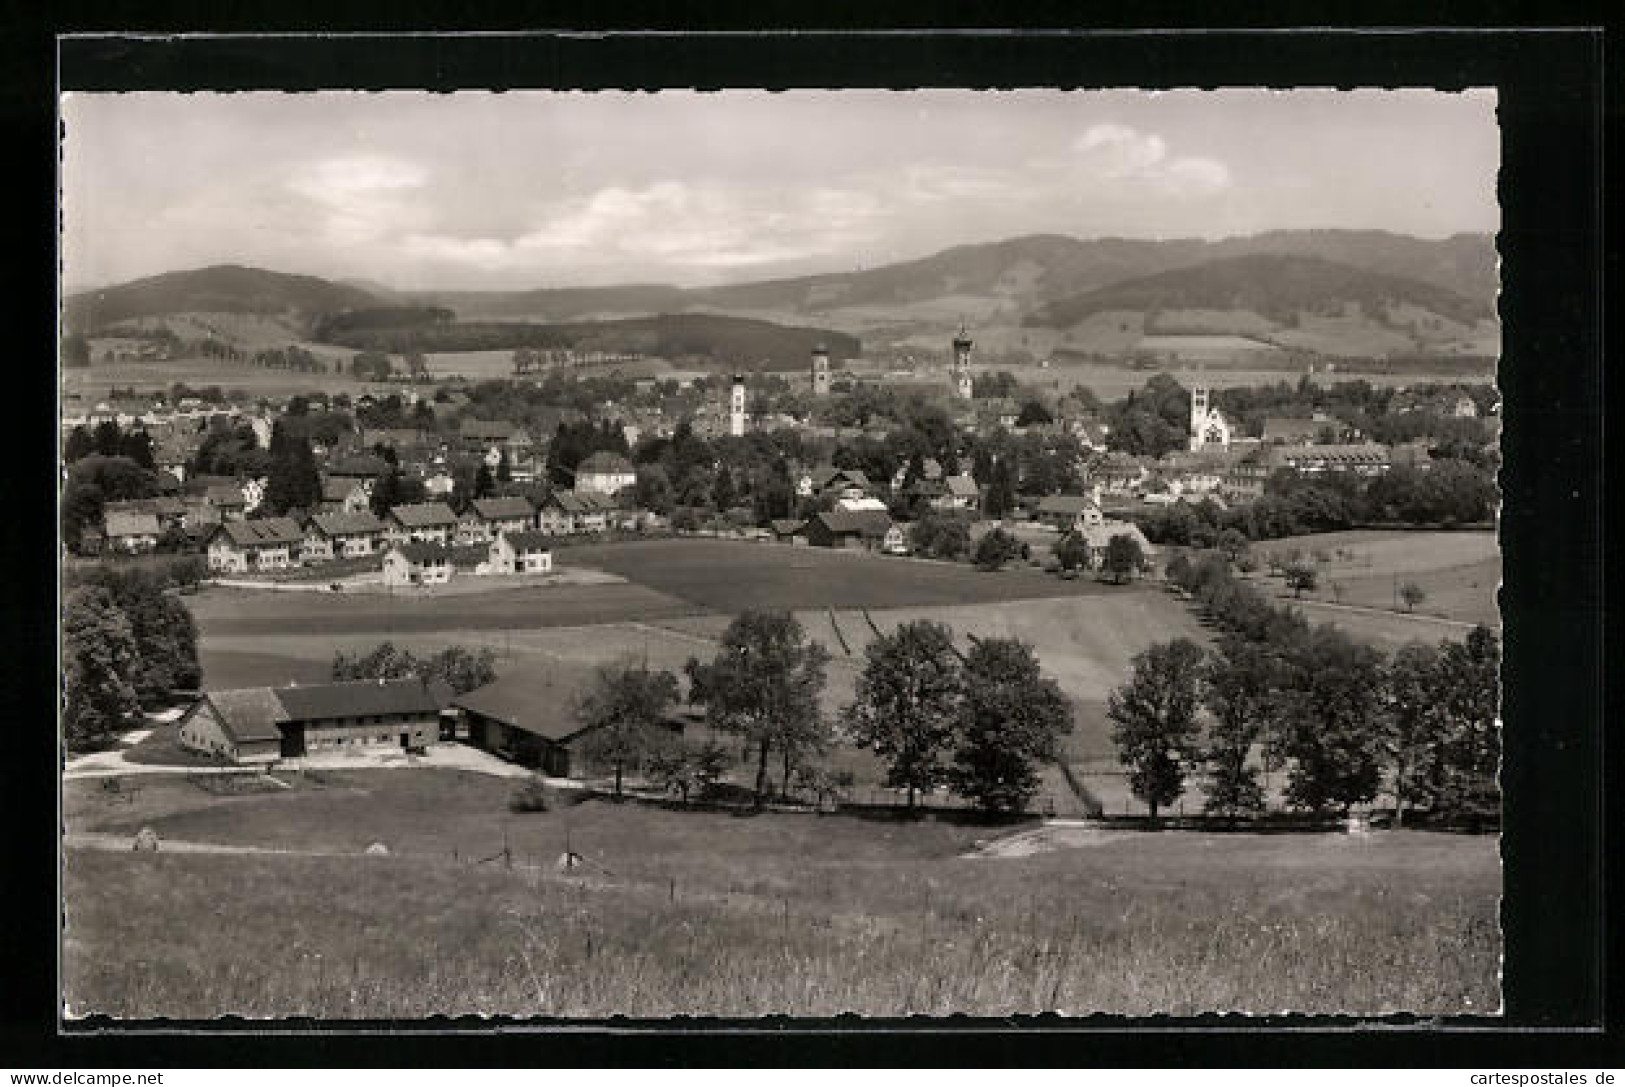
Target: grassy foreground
(698,913)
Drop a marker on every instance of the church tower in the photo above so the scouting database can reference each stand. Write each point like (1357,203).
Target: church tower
(962,379)
(820,371)
(736,407)
(1208,426)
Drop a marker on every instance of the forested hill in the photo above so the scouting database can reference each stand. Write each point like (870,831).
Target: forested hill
(1276,287)
(224,288)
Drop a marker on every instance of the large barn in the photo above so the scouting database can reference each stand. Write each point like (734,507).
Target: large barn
(264,724)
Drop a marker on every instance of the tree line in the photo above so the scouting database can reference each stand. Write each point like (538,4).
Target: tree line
(1342,719)
(980,722)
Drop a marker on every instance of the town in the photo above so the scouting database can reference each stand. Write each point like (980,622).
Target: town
(1045,624)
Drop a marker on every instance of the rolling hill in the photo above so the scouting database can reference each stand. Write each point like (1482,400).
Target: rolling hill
(222,288)
(1278,288)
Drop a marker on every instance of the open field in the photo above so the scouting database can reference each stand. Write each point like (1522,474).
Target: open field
(1459,571)
(694,912)
(146,377)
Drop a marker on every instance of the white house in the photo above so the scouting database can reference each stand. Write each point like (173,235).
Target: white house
(342,535)
(265,543)
(416,563)
(521,553)
(605,473)
(485,518)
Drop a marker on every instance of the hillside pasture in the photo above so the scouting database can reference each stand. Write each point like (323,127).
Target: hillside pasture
(1459,571)
(685,913)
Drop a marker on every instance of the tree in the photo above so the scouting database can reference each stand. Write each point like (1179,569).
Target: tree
(995,549)
(1416,731)
(1412,594)
(163,631)
(1072,552)
(623,713)
(460,668)
(1469,700)
(98,661)
(1154,723)
(1033,412)
(687,766)
(1331,703)
(484,482)
(294,483)
(1233,543)
(653,489)
(1011,717)
(1301,577)
(1124,558)
(906,703)
(75,350)
(723,492)
(941,536)
(763,686)
(1238,684)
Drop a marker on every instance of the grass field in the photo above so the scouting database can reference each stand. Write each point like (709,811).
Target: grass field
(1459,571)
(705,913)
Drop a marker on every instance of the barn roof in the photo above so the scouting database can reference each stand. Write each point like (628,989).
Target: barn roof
(263,532)
(866,523)
(252,713)
(358,698)
(418,552)
(540,701)
(423,514)
(131,524)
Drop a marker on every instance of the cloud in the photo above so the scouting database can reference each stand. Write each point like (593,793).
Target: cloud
(362,198)
(1113,152)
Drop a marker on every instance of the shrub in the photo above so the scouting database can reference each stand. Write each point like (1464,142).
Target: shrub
(531,796)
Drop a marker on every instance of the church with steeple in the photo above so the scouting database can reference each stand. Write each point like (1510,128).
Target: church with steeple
(963,386)
(1208,426)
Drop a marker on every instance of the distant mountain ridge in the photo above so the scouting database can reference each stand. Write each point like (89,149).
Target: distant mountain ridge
(220,288)
(1274,286)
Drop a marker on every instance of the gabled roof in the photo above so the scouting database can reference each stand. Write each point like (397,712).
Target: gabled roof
(962,487)
(870,524)
(131,524)
(262,532)
(418,552)
(423,515)
(347,524)
(605,463)
(540,701)
(225,494)
(788,526)
(358,698)
(527,541)
(252,713)
(1287,428)
(503,509)
(339,488)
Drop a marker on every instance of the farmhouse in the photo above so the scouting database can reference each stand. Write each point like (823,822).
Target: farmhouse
(521,553)
(267,543)
(1097,531)
(342,536)
(424,522)
(857,529)
(485,518)
(265,724)
(227,500)
(604,473)
(1064,512)
(416,563)
(529,718)
(564,513)
(131,533)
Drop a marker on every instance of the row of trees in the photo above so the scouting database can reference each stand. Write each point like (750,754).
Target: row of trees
(980,722)
(458,667)
(108,439)
(126,645)
(1341,717)
(1450,492)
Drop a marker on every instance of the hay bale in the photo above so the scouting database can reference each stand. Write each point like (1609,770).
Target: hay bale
(378,849)
(146,840)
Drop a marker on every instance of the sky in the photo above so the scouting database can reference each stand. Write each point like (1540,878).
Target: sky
(477,190)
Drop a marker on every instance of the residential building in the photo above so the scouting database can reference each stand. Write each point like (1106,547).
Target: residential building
(604,473)
(1097,531)
(423,522)
(521,552)
(485,518)
(346,494)
(342,536)
(267,724)
(871,530)
(265,543)
(416,563)
(1365,459)
(131,533)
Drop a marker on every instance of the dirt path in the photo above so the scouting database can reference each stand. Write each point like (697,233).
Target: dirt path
(1384,612)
